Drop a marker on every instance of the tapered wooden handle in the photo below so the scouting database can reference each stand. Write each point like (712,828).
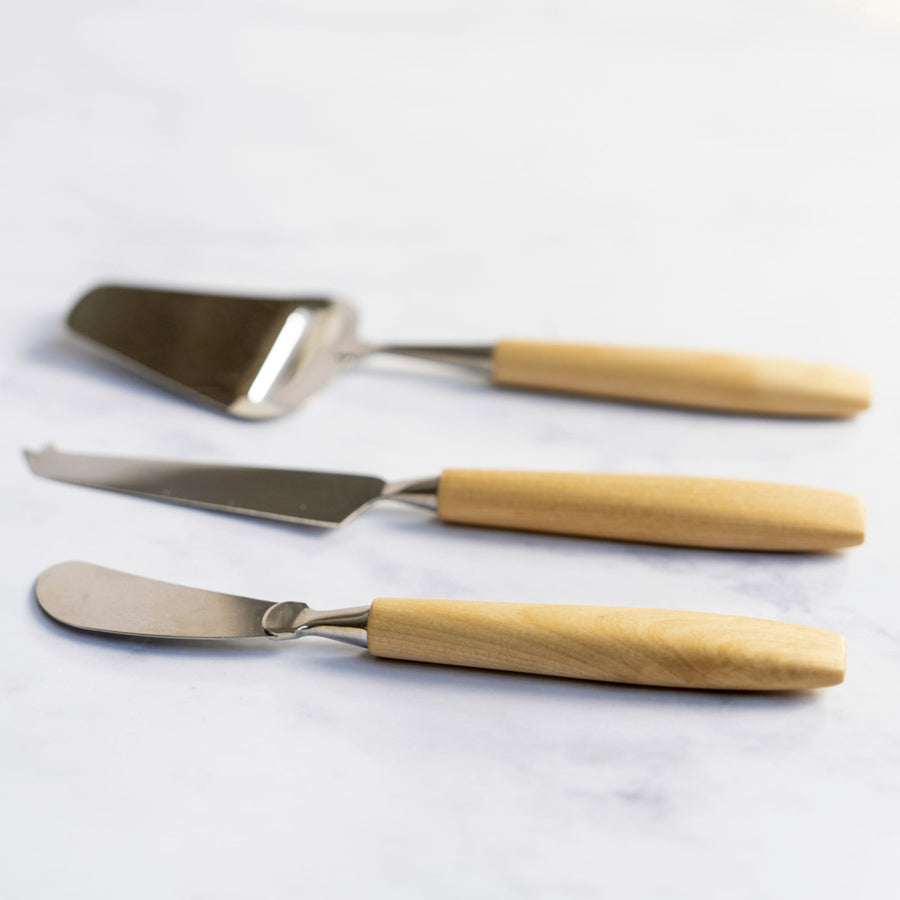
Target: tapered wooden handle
(657,509)
(635,646)
(751,384)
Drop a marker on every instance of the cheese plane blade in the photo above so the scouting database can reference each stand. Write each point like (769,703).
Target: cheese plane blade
(655,647)
(662,509)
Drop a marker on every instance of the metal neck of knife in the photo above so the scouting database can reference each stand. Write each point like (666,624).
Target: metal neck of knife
(292,619)
(421,492)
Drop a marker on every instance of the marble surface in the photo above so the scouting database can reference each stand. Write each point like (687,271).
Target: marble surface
(713,174)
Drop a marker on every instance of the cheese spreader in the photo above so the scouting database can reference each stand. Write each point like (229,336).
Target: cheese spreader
(619,644)
(661,509)
(256,358)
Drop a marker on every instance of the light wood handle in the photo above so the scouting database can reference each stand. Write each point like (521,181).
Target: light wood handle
(751,384)
(634,646)
(657,509)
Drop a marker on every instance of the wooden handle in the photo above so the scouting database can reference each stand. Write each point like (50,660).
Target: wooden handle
(657,509)
(752,384)
(634,646)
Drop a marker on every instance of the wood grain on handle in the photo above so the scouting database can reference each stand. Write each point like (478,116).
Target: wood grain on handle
(634,646)
(720,381)
(658,509)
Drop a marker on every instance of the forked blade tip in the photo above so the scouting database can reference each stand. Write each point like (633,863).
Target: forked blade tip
(34,458)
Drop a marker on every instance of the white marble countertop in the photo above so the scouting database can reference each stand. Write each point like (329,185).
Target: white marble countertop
(719,175)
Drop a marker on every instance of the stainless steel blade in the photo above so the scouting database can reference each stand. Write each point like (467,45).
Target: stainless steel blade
(248,356)
(98,599)
(311,498)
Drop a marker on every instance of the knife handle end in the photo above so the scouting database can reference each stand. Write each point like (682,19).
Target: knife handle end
(726,382)
(657,509)
(634,646)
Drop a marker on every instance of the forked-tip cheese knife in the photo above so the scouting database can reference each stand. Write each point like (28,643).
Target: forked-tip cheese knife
(620,644)
(660,509)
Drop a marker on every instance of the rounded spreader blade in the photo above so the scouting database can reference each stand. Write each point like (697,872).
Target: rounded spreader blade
(97,599)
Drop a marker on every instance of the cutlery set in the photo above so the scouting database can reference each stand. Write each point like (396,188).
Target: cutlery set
(260,358)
